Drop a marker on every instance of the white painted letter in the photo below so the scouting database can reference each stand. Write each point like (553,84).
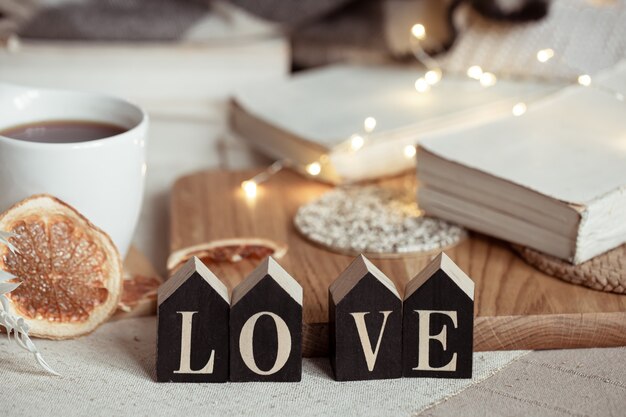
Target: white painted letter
(283,343)
(425,337)
(185,348)
(370,356)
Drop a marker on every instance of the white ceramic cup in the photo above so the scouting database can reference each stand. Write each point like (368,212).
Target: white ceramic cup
(103,179)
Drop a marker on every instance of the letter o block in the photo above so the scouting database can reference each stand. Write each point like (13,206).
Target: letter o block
(266,326)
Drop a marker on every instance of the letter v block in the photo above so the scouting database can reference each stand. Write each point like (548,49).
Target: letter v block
(192,338)
(266,326)
(365,317)
(438,323)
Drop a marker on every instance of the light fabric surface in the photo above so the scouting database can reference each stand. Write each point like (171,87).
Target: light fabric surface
(578,382)
(587,36)
(112,372)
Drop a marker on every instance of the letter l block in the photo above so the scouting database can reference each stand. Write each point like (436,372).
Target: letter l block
(192,335)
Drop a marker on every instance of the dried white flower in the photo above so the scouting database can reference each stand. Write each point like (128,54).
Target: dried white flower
(11,322)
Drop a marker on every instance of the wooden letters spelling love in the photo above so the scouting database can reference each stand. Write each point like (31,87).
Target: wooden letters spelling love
(204,336)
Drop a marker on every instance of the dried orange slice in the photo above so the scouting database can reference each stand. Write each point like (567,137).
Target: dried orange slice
(139,287)
(227,251)
(139,297)
(70,270)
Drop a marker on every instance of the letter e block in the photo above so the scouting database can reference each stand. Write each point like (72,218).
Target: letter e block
(438,322)
(192,338)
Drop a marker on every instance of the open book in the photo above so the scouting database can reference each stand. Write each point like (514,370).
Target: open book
(553,179)
(315,113)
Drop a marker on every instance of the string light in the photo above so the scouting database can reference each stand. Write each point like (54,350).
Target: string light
(356,142)
(418,31)
(475,72)
(519,109)
(421,85)
(544,55)
(314,169)
(369,124)
(431,77)
(584,80)
(13,44)
(487,79)
(249,187)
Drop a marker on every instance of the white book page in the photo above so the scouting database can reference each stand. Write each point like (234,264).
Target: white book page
(327,106)
(571,146)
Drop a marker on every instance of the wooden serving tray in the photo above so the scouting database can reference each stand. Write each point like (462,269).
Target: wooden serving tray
(516,306)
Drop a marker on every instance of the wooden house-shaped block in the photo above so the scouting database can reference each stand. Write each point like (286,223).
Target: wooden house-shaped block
(266,326)
(192,340)
(365,318)
(438,322)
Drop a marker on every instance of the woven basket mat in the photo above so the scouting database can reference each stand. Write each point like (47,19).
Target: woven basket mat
(606,272)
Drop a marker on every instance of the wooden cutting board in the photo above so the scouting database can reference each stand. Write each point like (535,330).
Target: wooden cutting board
(516,306)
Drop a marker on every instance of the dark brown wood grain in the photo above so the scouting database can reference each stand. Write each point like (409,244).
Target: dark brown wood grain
(204,355)
(271,349)
(438,316)
(516,306)
(373,350)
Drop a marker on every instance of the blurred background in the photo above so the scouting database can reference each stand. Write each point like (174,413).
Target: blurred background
(498,34)
(183,59)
